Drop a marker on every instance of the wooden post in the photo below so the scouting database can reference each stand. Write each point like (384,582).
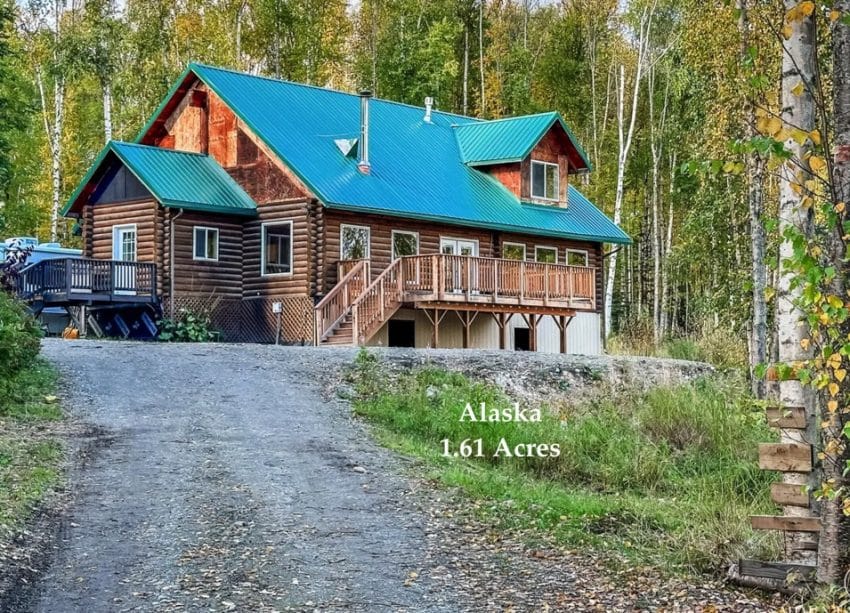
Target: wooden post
(436,328)
(532,333)
(562,326)
(496,280)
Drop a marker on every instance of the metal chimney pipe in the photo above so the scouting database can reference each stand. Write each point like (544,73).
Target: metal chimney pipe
(363,147)
(429,103)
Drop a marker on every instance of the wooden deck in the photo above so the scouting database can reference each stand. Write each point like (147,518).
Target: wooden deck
(437,283)
(80,281)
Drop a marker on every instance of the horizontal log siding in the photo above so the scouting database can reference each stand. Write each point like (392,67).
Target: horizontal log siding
(103,217)
(298,283)
(200,277)
(594,253)
(380,239)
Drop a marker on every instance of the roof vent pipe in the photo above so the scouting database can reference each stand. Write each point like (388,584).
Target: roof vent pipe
(429,103)
(363,146)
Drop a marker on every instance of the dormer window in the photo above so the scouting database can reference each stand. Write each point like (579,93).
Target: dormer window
(544,181)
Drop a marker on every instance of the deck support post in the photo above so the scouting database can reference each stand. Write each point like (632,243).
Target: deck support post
(563,322)
(502,320)
(435,322)
(532,320)
(466,319)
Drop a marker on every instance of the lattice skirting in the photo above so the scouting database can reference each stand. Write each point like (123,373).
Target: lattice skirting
(252,320)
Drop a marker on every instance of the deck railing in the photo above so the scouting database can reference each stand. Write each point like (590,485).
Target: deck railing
(378,302)
(449,278)
(64,278)
(456,277)
(333,308)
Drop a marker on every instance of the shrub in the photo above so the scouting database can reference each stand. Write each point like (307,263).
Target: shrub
(19,337)
(189,327)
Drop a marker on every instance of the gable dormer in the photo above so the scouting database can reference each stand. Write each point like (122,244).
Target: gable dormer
(533,156)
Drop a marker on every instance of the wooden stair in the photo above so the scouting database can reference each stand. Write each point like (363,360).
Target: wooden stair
(342,335)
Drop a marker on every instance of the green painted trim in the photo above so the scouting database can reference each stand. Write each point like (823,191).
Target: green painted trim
(582,153)
(455,221)
(95,165)
(477,163)
(110,146)
(164,102)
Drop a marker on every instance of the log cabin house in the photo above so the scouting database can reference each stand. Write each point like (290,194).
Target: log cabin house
(315,216)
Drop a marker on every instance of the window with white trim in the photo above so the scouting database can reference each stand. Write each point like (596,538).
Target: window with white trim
(405,243)
(205,243)
(513,251)
(277,248)
(545,180)
(576,257)
(353,242)
(546,255)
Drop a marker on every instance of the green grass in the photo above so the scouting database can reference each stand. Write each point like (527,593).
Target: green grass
(30,456)
(670,475)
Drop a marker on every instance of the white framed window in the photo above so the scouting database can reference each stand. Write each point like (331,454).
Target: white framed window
(513,251)
(354,242)
(205,243)
(458,246)
(546,255)
(577,257)
(276,258)
(545,180)
(404,243)
(125,243)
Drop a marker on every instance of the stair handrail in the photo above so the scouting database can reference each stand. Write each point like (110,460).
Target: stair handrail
(325,325)
(24,291)
(388,292)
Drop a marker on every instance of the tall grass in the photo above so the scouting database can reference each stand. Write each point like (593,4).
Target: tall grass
(672,472)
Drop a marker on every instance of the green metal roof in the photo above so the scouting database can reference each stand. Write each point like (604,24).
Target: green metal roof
(418,168)
(510,139)
(177,179)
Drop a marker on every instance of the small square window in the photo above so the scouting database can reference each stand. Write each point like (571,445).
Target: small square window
(544,181)
(206,243)
(353,242)
(405,243)
(546,255)
(577,258)
(513,251)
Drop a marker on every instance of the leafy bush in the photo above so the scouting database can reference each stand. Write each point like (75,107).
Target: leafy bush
(19,336)
(189,327)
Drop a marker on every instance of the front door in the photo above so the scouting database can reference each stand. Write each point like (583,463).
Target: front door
(124,249)
(456,268)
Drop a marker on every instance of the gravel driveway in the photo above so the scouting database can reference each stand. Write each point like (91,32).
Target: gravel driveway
(228,477)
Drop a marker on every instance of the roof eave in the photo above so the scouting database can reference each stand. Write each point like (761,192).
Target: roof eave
(455,221)
(208,208)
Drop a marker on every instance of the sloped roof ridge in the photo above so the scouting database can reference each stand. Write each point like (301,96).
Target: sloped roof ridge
(331,90)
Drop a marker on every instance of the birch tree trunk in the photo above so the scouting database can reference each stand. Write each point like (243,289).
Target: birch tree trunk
(481,53)
(755,203)
(55,138)
(466,68)
(668,248)
(107,110)
(834,547)
(798,110)
(625,143)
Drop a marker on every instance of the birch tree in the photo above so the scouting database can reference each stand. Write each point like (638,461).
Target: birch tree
(624,139)
(834,543)
(798,112)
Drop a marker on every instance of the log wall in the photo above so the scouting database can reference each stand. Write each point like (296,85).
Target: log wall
(99,222)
